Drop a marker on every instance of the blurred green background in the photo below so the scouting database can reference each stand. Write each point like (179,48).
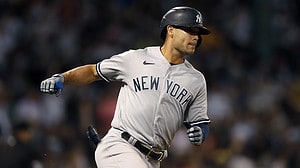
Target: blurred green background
(251,63)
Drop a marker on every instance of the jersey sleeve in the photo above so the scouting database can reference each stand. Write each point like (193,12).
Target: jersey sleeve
(113,69)
(197,111)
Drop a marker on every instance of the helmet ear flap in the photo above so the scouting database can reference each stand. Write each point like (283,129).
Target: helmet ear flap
(199,41)
(163,33)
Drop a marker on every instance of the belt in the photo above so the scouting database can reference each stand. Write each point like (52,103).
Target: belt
(147,151)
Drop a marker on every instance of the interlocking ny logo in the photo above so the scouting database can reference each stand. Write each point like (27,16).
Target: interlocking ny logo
(198,18)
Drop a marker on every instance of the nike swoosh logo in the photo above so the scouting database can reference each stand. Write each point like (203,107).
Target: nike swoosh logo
(148,63)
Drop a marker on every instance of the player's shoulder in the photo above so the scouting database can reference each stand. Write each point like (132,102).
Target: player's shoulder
(193,70)
(145,50)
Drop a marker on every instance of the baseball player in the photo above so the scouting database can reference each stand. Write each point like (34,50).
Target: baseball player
(160,92)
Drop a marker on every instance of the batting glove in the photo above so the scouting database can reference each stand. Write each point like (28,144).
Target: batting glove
(195,135)
(93,135)
(53,85)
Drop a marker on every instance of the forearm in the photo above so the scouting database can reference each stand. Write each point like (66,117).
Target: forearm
(81,75)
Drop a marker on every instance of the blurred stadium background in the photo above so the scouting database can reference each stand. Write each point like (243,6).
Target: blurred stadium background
(251,62)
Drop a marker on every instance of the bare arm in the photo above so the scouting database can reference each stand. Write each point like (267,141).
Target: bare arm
(81,75)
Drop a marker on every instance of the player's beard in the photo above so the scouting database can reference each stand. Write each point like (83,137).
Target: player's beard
(190,49)
(186,50)
(185,47)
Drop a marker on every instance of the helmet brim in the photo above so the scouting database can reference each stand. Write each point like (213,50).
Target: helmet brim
(204,31)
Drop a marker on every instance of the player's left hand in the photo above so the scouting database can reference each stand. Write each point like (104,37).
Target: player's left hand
(195,135)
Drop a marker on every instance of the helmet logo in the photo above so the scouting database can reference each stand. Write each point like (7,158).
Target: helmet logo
(198,19)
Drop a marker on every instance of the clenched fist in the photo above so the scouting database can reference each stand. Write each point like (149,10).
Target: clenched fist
(195,135)
(52,85)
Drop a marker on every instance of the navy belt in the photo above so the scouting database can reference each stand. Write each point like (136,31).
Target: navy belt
(147,151)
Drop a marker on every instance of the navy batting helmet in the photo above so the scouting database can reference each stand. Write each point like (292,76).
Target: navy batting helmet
(182,16)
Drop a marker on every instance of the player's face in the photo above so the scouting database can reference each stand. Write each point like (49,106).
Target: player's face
(185,39)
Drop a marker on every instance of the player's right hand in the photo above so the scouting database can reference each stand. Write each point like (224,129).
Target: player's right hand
(52,85)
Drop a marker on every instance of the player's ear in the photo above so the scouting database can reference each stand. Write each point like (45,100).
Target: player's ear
(170,30)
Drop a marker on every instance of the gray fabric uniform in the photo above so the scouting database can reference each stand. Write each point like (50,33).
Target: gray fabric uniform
(155,97)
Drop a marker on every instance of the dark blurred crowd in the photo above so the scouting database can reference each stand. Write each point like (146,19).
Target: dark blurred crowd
(251,62)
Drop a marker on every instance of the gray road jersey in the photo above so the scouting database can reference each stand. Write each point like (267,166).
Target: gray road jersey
(155,97)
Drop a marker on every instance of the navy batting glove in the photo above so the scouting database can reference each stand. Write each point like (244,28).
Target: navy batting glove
(53,85)
(93,135)
(195,135)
